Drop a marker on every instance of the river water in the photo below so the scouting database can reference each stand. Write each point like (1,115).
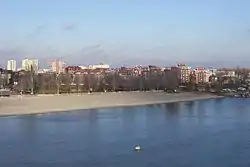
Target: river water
(193,134)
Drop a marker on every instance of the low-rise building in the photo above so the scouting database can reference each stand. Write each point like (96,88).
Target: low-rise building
(42,71)
(99,66)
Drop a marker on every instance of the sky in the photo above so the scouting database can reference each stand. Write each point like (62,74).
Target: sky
(126,32)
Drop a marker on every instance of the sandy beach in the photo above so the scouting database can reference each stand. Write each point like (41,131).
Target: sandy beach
(20,105)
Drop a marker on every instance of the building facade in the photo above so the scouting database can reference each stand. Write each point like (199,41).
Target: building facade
(30,64)
(11,65)
(57,66)
(185,72)
(99,66)
(213,71)
(202,75)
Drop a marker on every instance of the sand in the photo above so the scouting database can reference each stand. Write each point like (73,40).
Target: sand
(20,105)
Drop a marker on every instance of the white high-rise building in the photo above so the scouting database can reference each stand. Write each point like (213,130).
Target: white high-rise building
(28,64)
(57,66)
(185,72)
(11,65)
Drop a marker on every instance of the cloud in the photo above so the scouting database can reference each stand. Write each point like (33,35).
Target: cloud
(69,27)
(39,28)
(36,31)
(90,48)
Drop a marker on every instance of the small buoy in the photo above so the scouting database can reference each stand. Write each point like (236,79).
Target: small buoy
(137,148)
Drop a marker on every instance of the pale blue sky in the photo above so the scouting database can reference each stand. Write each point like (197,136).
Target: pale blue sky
(126,31)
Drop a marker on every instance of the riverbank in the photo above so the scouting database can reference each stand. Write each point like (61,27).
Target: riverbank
(21,105)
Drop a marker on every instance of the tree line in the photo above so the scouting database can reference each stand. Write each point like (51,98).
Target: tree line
(50,83)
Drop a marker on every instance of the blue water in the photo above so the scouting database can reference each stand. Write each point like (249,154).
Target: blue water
(209,133)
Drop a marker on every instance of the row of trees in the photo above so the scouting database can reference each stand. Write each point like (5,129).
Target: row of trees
(77,83)
(28,81)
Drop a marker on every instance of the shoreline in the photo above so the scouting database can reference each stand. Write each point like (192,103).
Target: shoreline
(29,105)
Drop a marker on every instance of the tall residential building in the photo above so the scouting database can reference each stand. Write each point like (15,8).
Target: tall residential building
(29,64)
(57,66)
(185,72)
(11,65)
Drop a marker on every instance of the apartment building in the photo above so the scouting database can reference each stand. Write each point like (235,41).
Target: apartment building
(185,72)
(202,75)
(30,64)
(57,66)
(11,65)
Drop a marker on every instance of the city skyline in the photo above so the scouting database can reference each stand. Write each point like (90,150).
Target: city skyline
(127,33)
(53,64)
(59,66)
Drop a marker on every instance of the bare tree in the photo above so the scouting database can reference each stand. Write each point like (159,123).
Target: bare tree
(171,79)
(77,82)
(49,83)
(65,83)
